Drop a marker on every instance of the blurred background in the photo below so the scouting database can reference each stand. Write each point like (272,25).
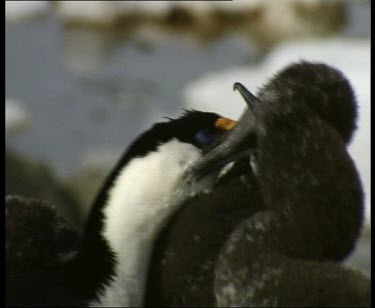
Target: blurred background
(83,78)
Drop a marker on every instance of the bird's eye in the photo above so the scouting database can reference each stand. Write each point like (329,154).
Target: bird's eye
(205,136)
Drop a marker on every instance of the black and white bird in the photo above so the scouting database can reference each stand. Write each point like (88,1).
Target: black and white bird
(110,265)
(289,254)
(211,252)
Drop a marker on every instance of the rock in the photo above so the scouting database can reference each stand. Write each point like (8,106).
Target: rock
(35,236)
(96,163)
(266,22)
(32,179)
(278,21)
(85,185)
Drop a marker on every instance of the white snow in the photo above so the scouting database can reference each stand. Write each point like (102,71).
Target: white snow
(18,10)
(214,90)
(103,12)
(17,117)
(109,11)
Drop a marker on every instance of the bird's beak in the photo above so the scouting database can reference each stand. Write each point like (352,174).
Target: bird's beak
(235,144)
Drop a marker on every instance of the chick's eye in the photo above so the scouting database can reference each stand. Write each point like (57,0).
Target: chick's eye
(204,136)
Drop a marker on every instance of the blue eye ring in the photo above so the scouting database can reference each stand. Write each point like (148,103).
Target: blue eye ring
(204,136)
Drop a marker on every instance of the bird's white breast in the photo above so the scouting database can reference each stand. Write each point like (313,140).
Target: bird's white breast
(143,196)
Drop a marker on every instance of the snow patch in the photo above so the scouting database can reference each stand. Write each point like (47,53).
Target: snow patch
(19,10)
(17,117)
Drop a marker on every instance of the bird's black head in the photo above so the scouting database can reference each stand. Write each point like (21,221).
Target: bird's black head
(201,129)
(324,88)
(195,127)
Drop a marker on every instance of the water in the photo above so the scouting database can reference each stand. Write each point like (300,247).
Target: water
(87,91)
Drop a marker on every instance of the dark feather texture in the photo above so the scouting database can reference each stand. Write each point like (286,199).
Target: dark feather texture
(288,254)
(36,277)
(182,266)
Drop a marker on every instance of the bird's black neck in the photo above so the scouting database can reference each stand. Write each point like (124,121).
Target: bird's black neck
(95,260)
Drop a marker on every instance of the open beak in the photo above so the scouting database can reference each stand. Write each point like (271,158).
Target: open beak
(234,145)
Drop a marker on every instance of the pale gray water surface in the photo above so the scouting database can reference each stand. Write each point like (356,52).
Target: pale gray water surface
(94,89)
(102,91)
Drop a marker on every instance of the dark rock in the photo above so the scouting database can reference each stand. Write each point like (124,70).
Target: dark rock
(29,178)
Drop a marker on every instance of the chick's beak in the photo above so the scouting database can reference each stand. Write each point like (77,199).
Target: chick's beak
(234,145)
